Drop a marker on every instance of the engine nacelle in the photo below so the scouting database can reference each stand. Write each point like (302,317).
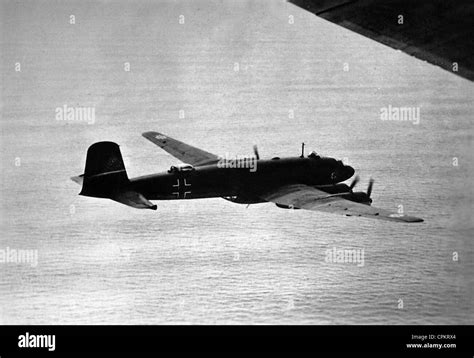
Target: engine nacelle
(286,206)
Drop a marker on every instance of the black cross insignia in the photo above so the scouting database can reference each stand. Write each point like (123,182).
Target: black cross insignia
(181,187)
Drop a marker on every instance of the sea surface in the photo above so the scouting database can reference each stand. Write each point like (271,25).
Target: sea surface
(223,76)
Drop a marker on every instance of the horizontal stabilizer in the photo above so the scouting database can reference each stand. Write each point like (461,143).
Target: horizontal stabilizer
(133,199)
(79,179)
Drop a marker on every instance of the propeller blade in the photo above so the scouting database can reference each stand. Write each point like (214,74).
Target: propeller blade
(255,151)
(354,182)
(369,188)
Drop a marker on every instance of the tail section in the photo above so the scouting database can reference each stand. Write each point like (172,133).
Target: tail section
(104,158)
(105,172)
(105,177)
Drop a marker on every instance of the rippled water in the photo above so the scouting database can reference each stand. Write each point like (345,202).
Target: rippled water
(211,261)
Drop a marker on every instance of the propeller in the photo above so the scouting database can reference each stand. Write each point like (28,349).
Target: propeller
(354,182)
(255,151)
(369,188)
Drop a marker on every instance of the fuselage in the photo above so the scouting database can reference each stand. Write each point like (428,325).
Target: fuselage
(214,181)
(312,182)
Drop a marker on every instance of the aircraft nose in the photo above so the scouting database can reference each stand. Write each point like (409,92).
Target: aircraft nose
(348,171)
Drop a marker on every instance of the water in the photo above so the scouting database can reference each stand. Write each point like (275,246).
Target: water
(212,261)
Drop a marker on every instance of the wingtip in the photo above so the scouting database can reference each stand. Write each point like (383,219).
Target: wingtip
(155,137)
(149,134)
(404,218)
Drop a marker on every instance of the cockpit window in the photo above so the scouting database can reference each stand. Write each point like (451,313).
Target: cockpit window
(181,168)
(314,155)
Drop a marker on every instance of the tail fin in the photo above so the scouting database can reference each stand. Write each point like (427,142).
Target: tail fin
(105,172)
(105,177)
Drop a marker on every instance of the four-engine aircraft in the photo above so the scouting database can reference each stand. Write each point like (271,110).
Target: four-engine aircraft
(312,182)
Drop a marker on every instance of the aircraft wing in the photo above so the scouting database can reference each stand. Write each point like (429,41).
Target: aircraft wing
(184,152)
(305,197)
(437,31)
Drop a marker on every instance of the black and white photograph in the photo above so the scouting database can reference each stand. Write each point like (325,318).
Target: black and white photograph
(234,163)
